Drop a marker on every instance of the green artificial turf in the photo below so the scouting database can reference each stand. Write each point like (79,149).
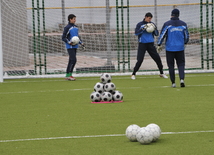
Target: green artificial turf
(33,110)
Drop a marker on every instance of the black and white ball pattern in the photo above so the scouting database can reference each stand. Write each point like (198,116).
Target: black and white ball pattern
(109,87)
(99,87)
(106,96)
(105,78)
(117,96)
(95,97)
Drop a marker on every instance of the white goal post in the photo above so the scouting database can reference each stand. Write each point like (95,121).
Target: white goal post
(1,51)
(31,44)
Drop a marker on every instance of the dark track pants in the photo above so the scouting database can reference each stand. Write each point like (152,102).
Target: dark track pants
(180,61)
(150,48)
(72,60)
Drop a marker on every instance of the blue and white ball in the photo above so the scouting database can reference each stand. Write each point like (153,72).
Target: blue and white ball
(144,135)
(156,131)
(131,132)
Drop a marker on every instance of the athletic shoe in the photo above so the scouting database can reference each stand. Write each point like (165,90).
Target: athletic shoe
(70,78)
(173,85)
(163,76)
(182,83)
(133,77)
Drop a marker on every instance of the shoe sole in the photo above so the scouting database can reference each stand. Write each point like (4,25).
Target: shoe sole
(70,79)
(182,85)
(133,78)
(166,77)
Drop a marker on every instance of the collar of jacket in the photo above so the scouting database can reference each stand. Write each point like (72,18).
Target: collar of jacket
(72,24)
(144,22)
(174,18)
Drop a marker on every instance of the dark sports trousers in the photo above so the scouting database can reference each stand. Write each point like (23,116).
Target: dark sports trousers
(72,60)
(150,48)
(180,61)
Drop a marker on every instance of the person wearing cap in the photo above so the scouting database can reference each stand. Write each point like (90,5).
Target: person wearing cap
(176,33)
(146,43)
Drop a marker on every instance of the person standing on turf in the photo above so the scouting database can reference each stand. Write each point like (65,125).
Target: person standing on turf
(176,33)
(70,31)
(146,43)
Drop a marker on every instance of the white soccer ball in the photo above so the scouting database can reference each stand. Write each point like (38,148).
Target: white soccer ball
(144,135)
(156,131)
(75,40)
(99,87)
(105,78)
(117,96)
(131,132)
(95,97)
(150,28)
(106,96)
(109,87)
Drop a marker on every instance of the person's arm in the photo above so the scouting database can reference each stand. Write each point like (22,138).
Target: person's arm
(155,32)
(139,29)
(162,34)
(186,35)
(64,35)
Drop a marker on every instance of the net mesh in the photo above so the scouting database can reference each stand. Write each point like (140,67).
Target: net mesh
(32,32)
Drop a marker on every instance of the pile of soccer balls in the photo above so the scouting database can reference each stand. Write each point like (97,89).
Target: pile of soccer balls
(105,91)
(144,135)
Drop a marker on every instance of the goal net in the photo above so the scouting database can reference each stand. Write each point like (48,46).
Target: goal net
(32,30)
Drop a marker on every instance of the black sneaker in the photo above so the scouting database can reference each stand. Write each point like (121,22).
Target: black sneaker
(182,83)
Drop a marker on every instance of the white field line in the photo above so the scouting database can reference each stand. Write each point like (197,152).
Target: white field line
(62,90)
(140,76)
(95,136)
(83,89)
(202,85)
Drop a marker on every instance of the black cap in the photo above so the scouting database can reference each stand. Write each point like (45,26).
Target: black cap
(175,13)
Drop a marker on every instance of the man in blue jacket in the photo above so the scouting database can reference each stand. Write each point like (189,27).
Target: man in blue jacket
(146,43)
(70,31)
(176,33)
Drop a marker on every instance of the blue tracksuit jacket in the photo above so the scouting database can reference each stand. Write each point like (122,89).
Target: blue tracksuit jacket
(176,33)
(143,35)
(70,31)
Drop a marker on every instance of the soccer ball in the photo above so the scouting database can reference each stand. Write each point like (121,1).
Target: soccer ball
(95,97)
(144,135)
(109,87)
(150,28)
(156,131)
(105,78)
(131,132)
(75,40)
(117,96)
(98,87)
(106,96)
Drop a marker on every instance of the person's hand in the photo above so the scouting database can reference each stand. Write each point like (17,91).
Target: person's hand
(153,25)
(83,46)
(71,43)
(144,27)
(159,48)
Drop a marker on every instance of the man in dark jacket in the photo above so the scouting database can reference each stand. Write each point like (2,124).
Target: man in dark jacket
(146,43)
(70,31)
(176,33)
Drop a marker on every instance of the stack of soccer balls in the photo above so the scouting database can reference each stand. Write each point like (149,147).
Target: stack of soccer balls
(105,90)
(144,135)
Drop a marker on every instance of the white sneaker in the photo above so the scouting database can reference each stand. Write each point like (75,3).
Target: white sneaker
(163,76)
(173,85)
(133,77)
